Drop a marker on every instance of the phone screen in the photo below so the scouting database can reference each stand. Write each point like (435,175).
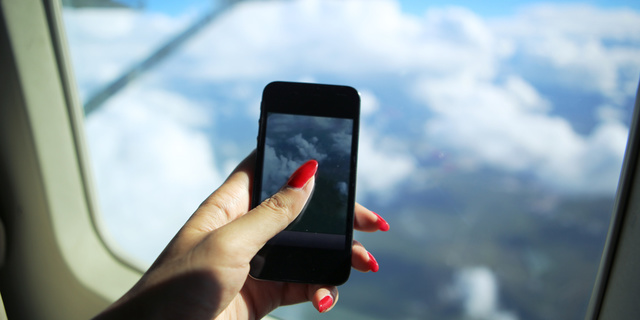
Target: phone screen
(297,125)
(291,140)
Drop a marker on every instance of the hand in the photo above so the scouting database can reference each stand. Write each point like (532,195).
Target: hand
(203,272)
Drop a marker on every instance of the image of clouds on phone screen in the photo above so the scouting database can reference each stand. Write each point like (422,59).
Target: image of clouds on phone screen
(291,140)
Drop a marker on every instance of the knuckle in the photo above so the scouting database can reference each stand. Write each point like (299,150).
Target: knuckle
(279,205)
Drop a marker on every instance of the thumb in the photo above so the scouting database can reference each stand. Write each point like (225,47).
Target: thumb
(251,231)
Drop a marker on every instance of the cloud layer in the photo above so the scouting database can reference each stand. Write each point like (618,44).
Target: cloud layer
(487,93)
(473,79)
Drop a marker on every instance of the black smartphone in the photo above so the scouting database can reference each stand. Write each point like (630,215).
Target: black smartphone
(300,122)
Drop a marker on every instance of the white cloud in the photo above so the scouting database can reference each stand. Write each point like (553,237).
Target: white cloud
(476,288)
(342,188)
(342,142)
(507,126)
(306,149)
(380,39)
(153,166)
(456,56)
(599,163)
(369,104)
(106,42)
(380,167)
(581,46)
(277,169)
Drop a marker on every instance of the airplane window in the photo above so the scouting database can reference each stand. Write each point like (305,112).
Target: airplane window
(492,134)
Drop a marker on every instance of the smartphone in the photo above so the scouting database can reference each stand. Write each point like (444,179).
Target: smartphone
(300,122)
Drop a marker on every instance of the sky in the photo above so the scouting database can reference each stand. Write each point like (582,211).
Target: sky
(539,90)
(497,8)
(485,8)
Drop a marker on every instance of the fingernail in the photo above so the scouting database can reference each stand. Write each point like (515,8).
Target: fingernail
(373,264)
(299,178)
(325,304)
(383,225)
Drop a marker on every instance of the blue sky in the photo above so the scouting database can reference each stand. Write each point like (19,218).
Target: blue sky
(496,8)
(493,8)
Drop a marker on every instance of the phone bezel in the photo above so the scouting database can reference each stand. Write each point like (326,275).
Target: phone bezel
(313,265)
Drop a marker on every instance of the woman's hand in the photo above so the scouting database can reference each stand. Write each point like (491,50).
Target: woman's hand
(203,272)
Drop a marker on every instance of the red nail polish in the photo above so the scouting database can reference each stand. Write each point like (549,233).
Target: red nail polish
(373,264)
(325,304)
(299,178)
(383,225)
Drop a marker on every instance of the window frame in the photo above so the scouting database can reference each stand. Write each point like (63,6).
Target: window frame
(617,284)
(59,265)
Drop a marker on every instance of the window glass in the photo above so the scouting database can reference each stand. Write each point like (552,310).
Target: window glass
(492,135)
